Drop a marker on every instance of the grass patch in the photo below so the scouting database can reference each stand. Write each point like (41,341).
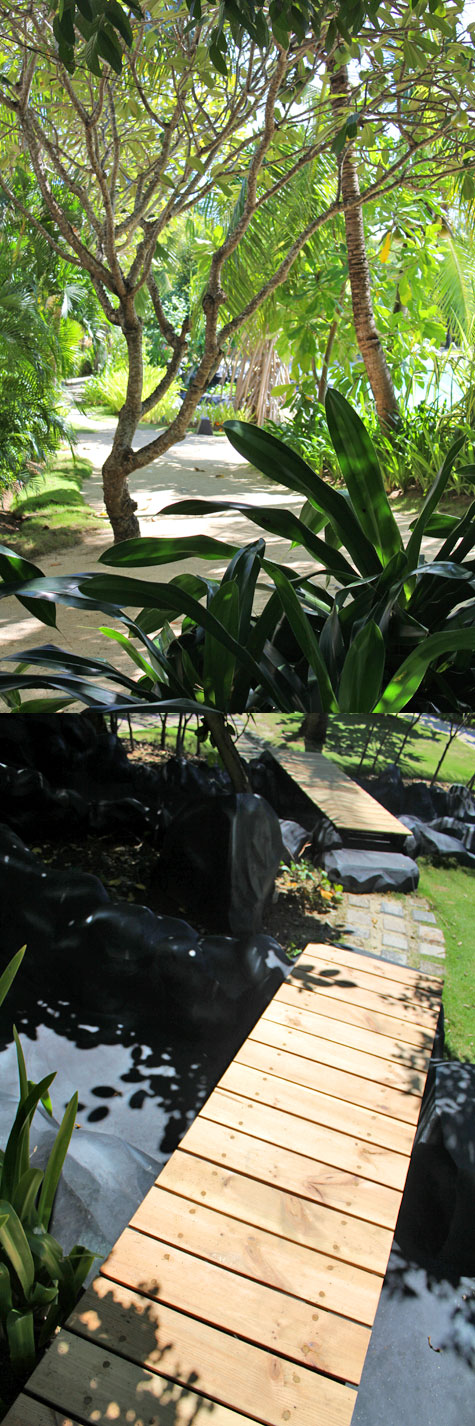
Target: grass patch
(368,745)
(450,890)
(50,513)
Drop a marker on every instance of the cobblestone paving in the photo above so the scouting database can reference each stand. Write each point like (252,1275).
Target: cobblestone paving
(398,928)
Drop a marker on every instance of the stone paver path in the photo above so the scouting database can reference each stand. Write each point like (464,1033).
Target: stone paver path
(398,928)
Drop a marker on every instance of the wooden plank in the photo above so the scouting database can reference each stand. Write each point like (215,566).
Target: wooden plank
(295,1173)
(347,805)
(247,1283)
(342,1085)
(379,1024)
(28,1412)
(302,1272)
(268,1206)
(398,1075)
(293,1013)
(320,1108)
(257,1314)
(101,1386)
(359,987)
(318,1142)
(267,1386)
(414,980)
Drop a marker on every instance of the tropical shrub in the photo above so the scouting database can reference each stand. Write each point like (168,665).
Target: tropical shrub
(39,1286)
(389,631)
(107,391)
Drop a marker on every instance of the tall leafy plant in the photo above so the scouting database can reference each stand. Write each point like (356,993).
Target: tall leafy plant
(373,629)
(39,1285)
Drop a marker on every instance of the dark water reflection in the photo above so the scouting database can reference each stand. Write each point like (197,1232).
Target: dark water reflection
(137,1076)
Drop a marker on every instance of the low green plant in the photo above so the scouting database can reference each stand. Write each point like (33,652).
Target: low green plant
(313,883)
(219,412)
(39,1286)
(108,390)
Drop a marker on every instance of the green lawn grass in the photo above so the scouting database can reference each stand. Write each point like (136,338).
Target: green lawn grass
(450,890)
(348,744)
(54,511)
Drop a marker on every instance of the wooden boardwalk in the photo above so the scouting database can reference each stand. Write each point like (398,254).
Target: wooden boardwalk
(353,811)
(246,1285)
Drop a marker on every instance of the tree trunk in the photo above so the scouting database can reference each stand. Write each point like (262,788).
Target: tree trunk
(229,755)
(119,504)
(367,335)
(314,729)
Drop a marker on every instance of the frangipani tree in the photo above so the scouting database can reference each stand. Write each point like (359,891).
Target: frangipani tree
(119,157)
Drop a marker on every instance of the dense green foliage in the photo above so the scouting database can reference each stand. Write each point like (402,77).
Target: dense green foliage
(39,1286)
(390,632)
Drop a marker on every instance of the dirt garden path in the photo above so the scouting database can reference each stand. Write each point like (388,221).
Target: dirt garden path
(198,466)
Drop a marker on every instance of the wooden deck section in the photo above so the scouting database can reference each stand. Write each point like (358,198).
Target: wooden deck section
(352,809)
(246,1285)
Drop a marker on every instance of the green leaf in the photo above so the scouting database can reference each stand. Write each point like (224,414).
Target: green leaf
(22,1075)
(109,48)
(431,501)
(141,553)
(280,463)
(15,1245)
(360,469)
(6,1300)
(278,522)
(14,569)
(362,673)
(21,1342)
(306,639)
(8,975)
(56,1161)
(46,1251)
(25,1194)
(218,663)
(408,678)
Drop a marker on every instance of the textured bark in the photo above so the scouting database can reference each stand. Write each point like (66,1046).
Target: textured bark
(314,729)
(229,755)
(367,335)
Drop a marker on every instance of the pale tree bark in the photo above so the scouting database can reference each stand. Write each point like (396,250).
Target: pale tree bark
(367,335)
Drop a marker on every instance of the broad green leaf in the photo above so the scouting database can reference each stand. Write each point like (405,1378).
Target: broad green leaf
(278,462)
(134,654)
(46,1251)
(244,570)
(278,522)
(431,501)
(149,550)
(408,678)
(25,1195)
(21,1342)
(6,1300)
(8,975)
(362,475)
(15,1246)
(14,569)
(362,673)
(306,639)
(218,663)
